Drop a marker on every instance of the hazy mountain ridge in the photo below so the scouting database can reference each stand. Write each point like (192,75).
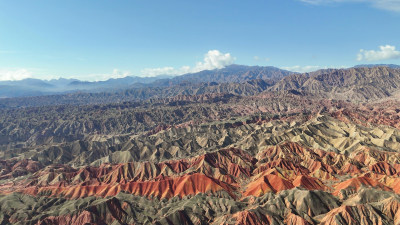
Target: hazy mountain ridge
(233,73)
(251,87)
(353,84)
(37,87)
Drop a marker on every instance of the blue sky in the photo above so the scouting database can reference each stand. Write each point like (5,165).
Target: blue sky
(96,40)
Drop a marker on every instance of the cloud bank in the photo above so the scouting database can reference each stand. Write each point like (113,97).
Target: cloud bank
(302,69)
(385,52)
(258,58)
(116,73)
(391,5)
(16,74)
(213,59)
(306,69)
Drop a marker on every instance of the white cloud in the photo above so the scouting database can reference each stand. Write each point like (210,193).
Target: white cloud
(120,74)
(384,52)
(257,58)
(214,59)
(306,69)
(116,73)
(152,72)
(302,69)
(391,5)
(16,74)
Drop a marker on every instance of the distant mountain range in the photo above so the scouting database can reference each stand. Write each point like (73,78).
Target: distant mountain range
(357,84)
(232,73)
(37,87)
(393,66)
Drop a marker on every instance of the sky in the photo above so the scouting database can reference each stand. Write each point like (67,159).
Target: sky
(102,39)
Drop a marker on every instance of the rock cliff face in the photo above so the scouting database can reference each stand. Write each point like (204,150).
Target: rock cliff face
(290,156)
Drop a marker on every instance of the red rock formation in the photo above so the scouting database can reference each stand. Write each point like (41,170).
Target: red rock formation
(84,217)
(353,215)
(309,183)
(14,168)
(354,184)
(383,168)
(267,183)
(350,169)
(394,183)
(166,188)
(391,208)
(282,163)
(290,150)
(293,219)
(250,218)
